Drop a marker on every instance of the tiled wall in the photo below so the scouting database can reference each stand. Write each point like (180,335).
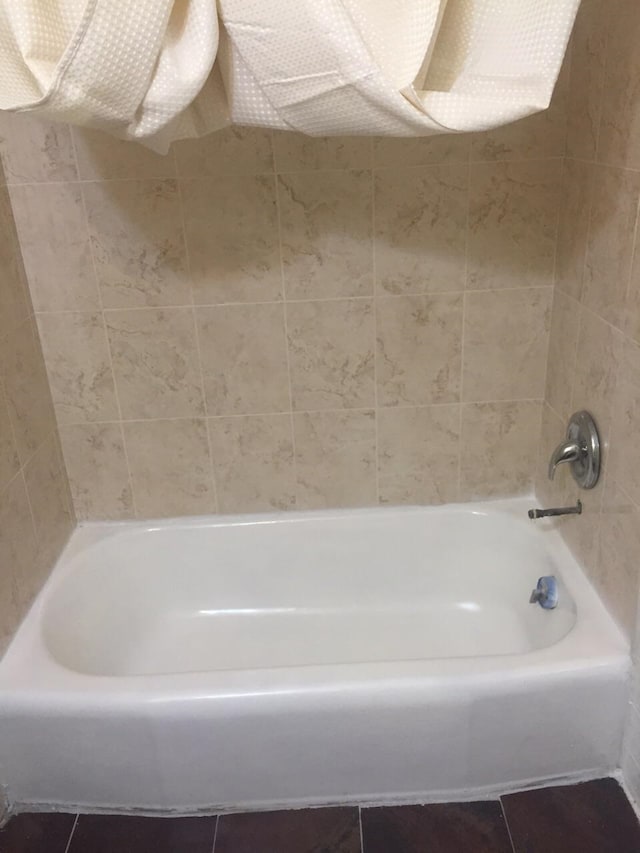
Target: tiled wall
(35,507)
(265,321)
(594,356)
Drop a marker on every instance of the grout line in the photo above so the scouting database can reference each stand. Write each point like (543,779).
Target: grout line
(73,829)
(374,273)
(506,822)
(464,314)
(109,355)
(360,826)
(285,302)
(212,470)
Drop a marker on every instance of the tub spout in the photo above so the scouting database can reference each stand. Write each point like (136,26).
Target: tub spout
(556,510)
(568,451)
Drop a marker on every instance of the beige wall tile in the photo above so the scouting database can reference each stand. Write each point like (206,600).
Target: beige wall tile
(331,352)
(55,245)
(103,157)
(619,138)
(624,455)
(499,445)
(9,460)
(244,359)
(597,361)
(421,228)
(253,463)
(573,226)
(295,152)
(582,533)
(77,356)
(610,244)
(98,472)
(170,467)
(26,388)
(326,227)
(335,459)
(15,305)
(421,151)
(232,151)
(138,243)
(418,352)
(505,344)
(563,340)
(512,223)
(619,555)
(418,450)
(553,430)
(232,238)
(18,556)
(155,362)
(587,78)
(33,151)
(49,499)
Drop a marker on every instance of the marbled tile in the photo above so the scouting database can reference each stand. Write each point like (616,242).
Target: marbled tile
(554,492)
(418,351)
(421,228)
(56,248)
(103,157)
(77,357)
(335,459)
(244,359)
(418,454)
(26,388)
(155,362)
(9,460)
(138,243)
(618,567)
(253,463)
(594,817)
(97,470)
(35,151)
(513,211)
(561,361)
(170,467)
(40,832)
(624,456)
(324,830)
(15,304)
(331,352)
(439,827)
(498,448)
(231,151)
(18,554)
(231,226)
(597,361)
(573,226)
(610,244)
(421,151)
(100,833)
(295,152)
(619,136)
(505,344)
(326,234)
(587,78)
(48,490)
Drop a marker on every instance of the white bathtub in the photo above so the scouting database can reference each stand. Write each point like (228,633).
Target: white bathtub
(370,655)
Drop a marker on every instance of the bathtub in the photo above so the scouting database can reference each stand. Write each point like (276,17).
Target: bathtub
(377,655)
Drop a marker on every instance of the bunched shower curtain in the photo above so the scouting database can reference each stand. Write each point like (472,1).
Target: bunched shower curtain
(159,70)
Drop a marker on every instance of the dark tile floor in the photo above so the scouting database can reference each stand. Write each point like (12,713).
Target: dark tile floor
(594,817)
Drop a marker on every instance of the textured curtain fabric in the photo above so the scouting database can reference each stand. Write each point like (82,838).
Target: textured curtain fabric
(159,70)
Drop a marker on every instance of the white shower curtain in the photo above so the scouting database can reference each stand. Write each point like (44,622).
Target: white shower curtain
(159,70)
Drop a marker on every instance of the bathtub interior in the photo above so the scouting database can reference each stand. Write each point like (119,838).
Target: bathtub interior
(303,590)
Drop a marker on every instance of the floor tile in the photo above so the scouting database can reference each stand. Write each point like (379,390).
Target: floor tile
(119,834)
(442,828)
(333,830)
(37,833)
(594,817)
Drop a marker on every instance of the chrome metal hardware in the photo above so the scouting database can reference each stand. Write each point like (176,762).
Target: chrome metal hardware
(581,450)
(556,510)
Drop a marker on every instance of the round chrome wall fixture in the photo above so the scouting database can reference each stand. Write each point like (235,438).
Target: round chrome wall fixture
(582,430)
